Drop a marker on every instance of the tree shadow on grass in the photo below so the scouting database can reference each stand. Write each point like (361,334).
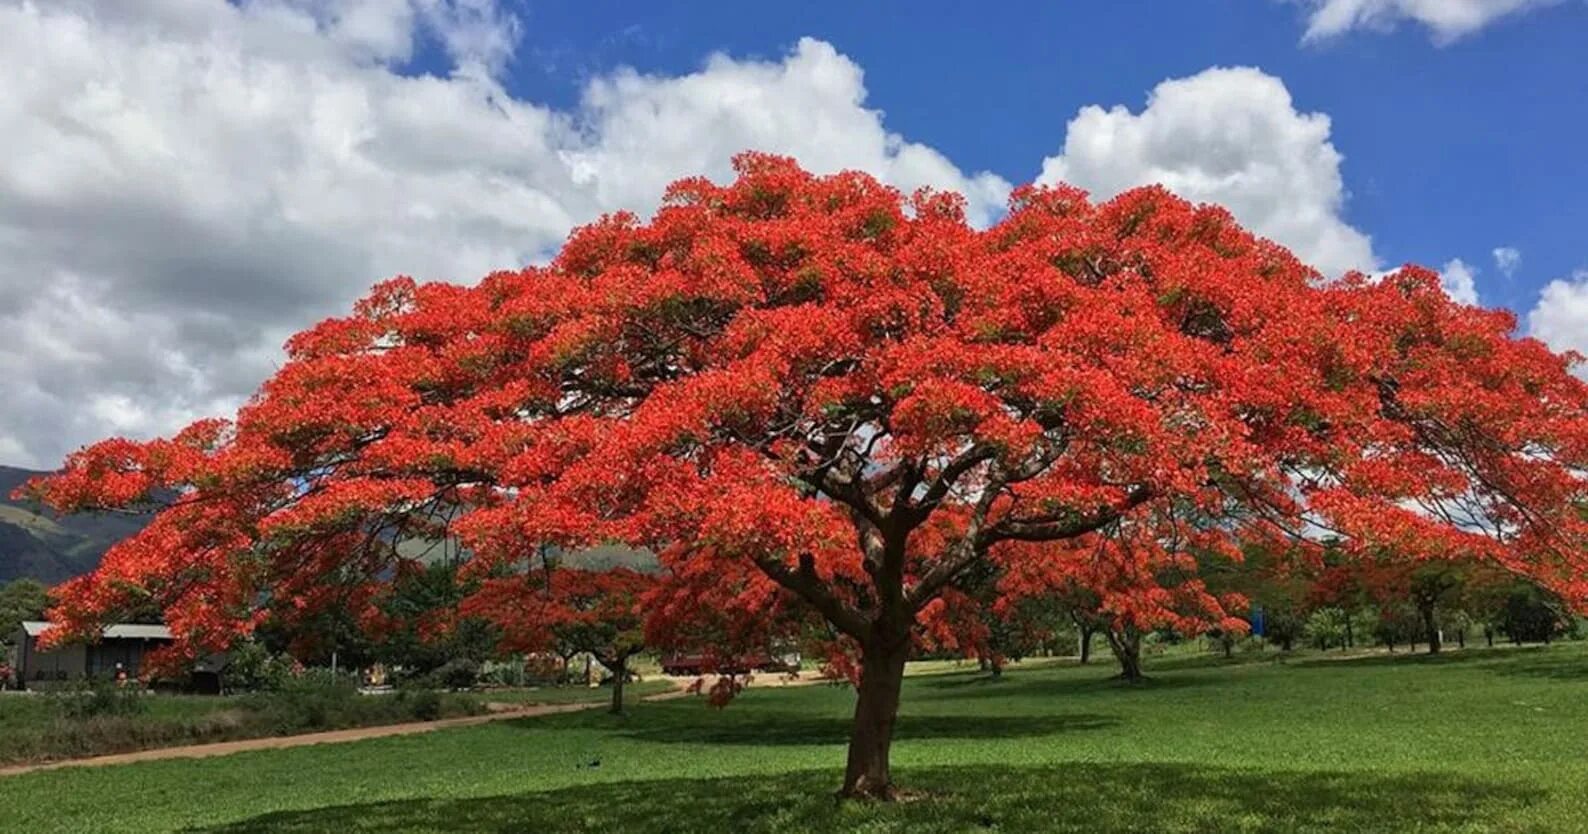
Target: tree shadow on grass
(1540,662)
(1016,683)
(1468,657)
(778,729)
(1560,662)
(1102,798)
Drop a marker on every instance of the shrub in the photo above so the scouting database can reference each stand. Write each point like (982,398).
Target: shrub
(458,673)
(1326,628)
(509,673)
(92,699)
(253,668)
(423,704)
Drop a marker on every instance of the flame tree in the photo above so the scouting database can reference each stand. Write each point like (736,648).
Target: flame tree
(779,382)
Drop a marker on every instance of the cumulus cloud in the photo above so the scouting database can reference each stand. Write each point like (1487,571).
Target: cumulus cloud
(188,181)
(1446,20)
(1456,276)
(1232,136)
(1507,259)
(1560,318)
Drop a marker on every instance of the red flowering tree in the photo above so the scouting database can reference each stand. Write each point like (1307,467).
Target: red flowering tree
(778,382)
(1141,573)
(571,611)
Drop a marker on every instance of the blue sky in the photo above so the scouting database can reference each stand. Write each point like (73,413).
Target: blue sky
(189,182)
(1451,149)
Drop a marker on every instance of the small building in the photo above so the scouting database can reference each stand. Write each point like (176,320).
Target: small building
(125,644)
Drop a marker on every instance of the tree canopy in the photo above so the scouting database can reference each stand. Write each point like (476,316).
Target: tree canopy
(814,392)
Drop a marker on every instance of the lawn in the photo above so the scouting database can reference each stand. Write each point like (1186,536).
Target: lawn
(33,728)
(574,694)
(1486,740)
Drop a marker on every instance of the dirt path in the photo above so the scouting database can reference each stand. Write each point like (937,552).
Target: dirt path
(223,748)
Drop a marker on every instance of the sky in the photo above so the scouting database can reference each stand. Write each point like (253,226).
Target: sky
(185,183)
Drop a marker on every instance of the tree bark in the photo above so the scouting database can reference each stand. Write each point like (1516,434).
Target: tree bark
(1126,645)
(1086,645)
(867,775)
(620,670)
(1431,625)
(1348,635)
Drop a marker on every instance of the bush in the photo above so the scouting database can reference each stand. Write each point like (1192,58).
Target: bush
(458,673)
(307,704)
(251,667)
(423,704)
(509,673)
(321,679)
(93,699)
(1531,615)
(1326,628)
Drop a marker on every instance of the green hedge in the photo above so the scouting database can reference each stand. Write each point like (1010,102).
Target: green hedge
(96,722)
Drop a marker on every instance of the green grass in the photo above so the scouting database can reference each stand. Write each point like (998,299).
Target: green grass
(574,694)
(1472,742)
(41,728)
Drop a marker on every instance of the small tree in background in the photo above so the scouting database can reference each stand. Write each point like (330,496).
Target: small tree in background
(21,599)
(594,612)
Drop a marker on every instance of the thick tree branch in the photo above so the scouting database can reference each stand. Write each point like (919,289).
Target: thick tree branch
(813,589)
(1050,529)
(940,486)
(977,540)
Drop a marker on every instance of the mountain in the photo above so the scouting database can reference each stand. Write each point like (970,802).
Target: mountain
(51,548)
(37,543)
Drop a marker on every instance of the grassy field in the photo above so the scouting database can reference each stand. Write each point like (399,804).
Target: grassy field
(574,694)
(33,728)
(1470,742)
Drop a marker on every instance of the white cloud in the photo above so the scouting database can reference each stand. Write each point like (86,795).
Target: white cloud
(186,182)
(1456,276)
(1507,259)
(1230,136)
(1446,20)
(1560,318)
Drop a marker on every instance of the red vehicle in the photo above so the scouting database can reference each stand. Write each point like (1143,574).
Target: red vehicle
(691,664)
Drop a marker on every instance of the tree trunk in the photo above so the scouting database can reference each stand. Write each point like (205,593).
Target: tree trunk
(1086,645)
(1126,644)
(1229,648)
(1461,638)
(881,675)
(996,664)
(1488,635)
(1348,636)
(620,670)
(1431,625)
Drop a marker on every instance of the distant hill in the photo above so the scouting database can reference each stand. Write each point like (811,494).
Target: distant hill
(37,543)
